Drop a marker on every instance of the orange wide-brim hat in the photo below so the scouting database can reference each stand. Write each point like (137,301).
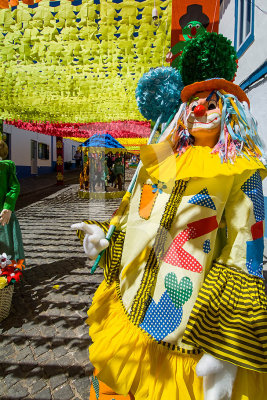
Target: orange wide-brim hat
(213,84)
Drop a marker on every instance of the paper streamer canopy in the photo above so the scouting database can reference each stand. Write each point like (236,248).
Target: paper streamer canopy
(78,61)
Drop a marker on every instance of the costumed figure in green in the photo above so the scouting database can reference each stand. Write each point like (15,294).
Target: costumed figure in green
(10,234)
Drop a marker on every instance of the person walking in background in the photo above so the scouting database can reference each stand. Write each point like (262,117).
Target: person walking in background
(10,234)
(118,172)
(78,158)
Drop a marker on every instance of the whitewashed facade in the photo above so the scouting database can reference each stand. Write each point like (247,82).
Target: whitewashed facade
(35,153)
(244,22)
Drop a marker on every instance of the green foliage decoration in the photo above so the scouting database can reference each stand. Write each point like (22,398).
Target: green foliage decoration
(208,56)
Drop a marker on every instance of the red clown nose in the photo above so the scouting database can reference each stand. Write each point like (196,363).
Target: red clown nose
(193,31)
(199,111)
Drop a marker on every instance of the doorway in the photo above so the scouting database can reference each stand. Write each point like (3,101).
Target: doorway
(34,169)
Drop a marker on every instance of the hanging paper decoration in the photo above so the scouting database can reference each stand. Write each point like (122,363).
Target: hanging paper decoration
(117,129)
(78,61)
(60,162)
(130,134)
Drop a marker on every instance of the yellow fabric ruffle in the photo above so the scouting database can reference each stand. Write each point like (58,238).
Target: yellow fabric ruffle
(128,360)
(162,164)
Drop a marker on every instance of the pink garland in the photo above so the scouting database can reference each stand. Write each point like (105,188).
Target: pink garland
(117,129)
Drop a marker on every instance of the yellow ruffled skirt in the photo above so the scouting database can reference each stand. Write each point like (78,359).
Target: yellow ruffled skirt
(129,361)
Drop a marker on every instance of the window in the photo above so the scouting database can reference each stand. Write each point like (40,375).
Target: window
(244,25)
(43,151)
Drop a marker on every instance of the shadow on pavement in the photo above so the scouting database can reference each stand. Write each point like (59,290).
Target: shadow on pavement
(45,338)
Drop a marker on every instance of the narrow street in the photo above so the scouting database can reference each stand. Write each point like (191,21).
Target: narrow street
(44,352)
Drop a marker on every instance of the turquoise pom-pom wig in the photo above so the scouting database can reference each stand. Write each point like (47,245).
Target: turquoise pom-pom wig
(158,93)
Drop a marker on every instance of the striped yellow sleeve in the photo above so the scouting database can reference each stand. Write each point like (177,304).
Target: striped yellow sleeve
(229,318)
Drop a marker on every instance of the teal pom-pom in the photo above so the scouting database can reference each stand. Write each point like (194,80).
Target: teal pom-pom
(158,93)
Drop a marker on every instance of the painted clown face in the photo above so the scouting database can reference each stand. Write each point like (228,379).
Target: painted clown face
(192,30)
(203,117)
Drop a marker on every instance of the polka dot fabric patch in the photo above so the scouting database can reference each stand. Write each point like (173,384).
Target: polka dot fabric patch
(253,189)
(162,318)
(179,293)
(179,257)
(206,246)
(203,199)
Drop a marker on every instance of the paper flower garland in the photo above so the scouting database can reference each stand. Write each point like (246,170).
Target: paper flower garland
(117,129)
(10,271)
(78,61)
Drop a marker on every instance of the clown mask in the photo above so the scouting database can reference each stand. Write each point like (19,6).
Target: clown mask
(203,118)
(192,30)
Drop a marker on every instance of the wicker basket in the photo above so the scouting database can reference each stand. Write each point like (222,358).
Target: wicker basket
(5,301)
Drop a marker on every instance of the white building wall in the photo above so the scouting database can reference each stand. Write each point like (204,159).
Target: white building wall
(257,95)
(68,149)
(253,58)
(21,146)
(227,22)
(256,53)
(21,150)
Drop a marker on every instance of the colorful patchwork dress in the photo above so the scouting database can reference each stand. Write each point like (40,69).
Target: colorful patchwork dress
(183,276)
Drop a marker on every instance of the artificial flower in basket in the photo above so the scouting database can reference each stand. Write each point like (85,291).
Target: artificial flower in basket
(10,273)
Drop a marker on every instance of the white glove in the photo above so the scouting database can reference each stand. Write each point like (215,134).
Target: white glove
(218,377)
(5,217)
(94,240)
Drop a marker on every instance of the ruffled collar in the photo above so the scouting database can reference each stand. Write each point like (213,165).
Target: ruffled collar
(162,164)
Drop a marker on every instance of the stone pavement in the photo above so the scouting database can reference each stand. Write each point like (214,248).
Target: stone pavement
(44,341)
(34,188)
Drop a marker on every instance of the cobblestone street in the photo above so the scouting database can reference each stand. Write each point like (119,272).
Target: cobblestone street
(44,341)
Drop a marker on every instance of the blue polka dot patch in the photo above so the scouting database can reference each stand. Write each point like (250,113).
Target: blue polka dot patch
(162,318)
(203,199)
(253,189)
(206,246)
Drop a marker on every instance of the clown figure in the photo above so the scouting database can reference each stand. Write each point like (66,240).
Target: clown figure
(182,313)
(194,23)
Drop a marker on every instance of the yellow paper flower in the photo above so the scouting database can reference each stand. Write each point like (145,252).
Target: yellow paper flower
(3,282)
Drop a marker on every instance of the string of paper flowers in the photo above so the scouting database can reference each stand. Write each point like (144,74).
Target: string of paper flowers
(117,129)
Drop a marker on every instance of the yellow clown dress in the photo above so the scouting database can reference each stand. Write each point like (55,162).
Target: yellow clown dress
(183,276)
